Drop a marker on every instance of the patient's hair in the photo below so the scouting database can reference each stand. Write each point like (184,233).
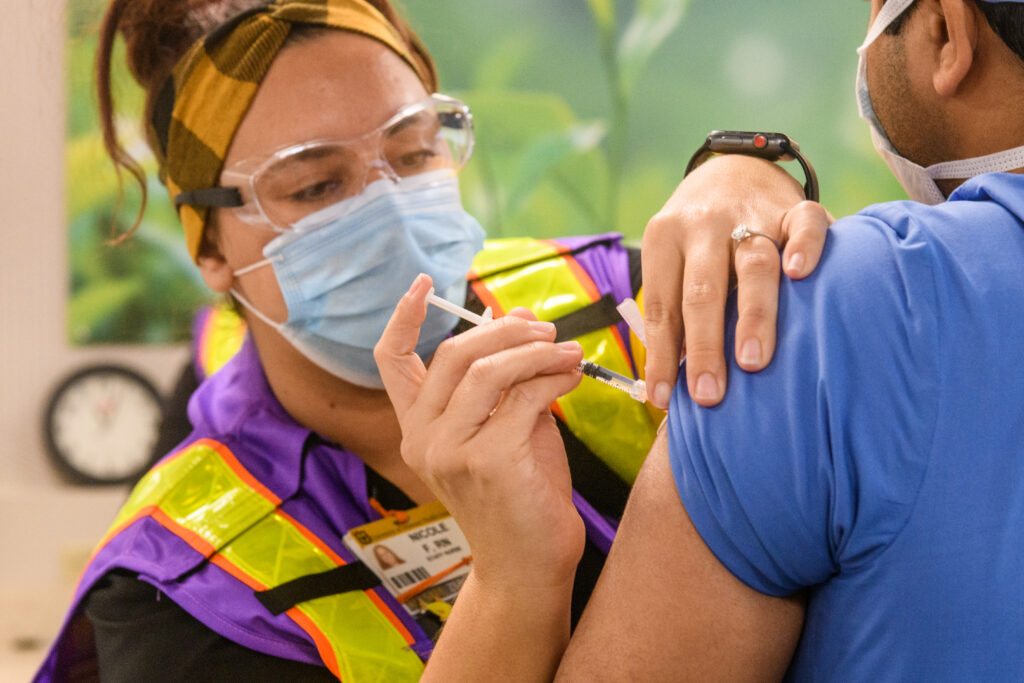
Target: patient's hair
(1005,18)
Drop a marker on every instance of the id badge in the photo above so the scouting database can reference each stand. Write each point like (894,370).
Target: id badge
(421,562)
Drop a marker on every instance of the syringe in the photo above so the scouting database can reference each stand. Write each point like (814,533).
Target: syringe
(636,388)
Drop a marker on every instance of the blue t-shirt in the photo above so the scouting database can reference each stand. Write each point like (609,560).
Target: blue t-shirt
(878,462)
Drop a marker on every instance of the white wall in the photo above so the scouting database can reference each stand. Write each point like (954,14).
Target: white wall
(46,526)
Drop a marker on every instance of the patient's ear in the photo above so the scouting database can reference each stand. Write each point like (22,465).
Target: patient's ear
(955,34)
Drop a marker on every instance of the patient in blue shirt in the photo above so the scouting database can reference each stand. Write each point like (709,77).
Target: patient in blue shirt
(877,462)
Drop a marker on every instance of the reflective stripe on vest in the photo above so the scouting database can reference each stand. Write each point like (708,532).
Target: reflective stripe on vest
(206,497)
(551,283)
(219,334)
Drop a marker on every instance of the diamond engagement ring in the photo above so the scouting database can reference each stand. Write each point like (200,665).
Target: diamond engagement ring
(742,232)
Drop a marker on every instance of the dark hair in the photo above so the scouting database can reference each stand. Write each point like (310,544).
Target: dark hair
(896,26)
(1005,18)
(157,33)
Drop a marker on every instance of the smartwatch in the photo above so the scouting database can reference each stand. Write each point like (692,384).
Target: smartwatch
(770,146)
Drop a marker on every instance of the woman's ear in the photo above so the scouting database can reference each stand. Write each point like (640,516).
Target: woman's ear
(215,271)
(956,34)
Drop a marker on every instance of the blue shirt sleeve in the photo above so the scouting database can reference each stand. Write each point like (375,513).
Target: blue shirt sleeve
(811,467)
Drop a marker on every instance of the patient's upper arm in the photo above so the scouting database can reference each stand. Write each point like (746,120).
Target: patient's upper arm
(666,609)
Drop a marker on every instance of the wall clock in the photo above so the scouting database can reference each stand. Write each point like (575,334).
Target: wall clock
(102,423)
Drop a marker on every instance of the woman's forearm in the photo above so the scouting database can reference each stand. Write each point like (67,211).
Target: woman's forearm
(503,633)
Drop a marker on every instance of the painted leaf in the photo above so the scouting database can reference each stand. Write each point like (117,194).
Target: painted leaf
(653,22)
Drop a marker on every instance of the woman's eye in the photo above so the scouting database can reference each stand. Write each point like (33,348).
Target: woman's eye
(317,192)
(416,159)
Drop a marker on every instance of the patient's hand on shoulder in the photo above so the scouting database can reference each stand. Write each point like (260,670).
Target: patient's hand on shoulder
(690,262)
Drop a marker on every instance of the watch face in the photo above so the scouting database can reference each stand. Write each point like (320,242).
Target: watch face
(102,424)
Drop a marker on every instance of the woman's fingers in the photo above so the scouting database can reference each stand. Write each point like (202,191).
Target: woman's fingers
(454,358)
(491,385)
(400,368)
(528,401)
(756,260)
(805,228)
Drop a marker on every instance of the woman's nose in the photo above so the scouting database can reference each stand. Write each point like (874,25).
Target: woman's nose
(378,170)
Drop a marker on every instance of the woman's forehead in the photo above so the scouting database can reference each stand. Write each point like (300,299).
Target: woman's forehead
(337,85)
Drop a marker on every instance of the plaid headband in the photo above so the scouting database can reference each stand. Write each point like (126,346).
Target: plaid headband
(197,112)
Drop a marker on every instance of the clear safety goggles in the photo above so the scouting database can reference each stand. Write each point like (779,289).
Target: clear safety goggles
(434,135)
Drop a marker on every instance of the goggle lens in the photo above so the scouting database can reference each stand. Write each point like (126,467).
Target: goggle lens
(434,136)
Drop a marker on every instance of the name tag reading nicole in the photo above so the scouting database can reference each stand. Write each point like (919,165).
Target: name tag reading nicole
(421,561)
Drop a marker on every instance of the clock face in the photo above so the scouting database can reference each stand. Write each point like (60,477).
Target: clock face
(102,424)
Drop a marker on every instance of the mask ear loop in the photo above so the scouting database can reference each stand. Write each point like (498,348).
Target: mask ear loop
(252,309)
(253,266)
(1006,160)
(888,14)
(245,302)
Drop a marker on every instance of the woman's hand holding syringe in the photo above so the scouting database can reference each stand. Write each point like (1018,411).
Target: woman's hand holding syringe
(634,387)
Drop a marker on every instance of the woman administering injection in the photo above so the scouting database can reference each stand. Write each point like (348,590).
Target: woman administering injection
(636,388)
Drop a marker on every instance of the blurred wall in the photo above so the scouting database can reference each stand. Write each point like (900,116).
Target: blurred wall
(47,527)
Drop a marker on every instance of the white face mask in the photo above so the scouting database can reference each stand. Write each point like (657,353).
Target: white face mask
(918,181)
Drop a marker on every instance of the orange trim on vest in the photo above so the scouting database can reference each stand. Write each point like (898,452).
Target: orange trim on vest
(485,296)
(582,276)
(381,605)
(197,542)
(312,538)
(144,512)
(588,285)
(231,461)
(323,645)
(207,550)
(237,572)
(391,616)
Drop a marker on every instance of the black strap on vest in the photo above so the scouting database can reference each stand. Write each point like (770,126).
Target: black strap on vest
(354,576)
(602,312)
(595,316)
(636,273)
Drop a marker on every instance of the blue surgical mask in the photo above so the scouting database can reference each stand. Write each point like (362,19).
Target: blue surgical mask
(342,279)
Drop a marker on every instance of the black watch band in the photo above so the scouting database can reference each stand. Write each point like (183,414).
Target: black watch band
(770,146)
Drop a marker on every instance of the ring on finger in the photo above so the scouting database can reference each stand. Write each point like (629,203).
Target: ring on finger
(742,232)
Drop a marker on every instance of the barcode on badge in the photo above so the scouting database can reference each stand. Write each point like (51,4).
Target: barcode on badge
(410,577)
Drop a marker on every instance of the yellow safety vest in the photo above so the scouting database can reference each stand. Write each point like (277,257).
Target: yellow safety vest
(206,497)
(543,276)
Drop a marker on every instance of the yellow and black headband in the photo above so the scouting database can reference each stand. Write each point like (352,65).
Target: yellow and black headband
(195,116)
